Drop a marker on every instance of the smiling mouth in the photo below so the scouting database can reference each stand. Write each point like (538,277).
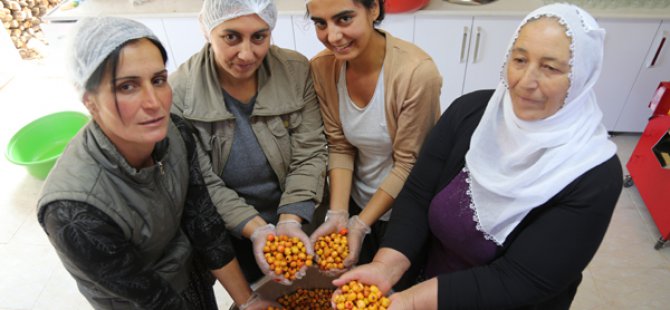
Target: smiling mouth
(342,48)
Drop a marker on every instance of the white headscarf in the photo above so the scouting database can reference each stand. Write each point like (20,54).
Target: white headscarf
(518,165)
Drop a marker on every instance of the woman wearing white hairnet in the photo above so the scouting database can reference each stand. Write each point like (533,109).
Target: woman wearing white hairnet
(125,206)
(514,188)
(259,128)
(379,98)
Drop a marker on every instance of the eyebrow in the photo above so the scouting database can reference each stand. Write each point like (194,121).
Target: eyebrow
(336,16)
(233,31)
(134,77)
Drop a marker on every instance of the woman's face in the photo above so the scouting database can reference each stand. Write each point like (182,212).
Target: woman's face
(240,45)
(140,114)
(343,26)
(538,69)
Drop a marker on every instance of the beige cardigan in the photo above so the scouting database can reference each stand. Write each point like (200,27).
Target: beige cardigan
(412,86)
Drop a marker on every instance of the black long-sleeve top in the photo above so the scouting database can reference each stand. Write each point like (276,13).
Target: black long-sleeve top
(540,263)
(99,247)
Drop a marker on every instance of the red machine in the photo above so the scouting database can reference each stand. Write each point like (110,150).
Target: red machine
(649,165)
(400,6)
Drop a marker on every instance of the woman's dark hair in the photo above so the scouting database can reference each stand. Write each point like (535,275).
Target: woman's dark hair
(112,62)
(368,5)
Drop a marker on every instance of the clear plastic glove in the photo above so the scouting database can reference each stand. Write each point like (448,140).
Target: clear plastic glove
(255,302)
(293,228)
(335,222)
(258,239)
(357,231)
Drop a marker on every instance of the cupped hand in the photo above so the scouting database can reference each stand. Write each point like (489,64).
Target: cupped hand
(356,233)
(335,221)
(372,273)
(292,228)
(258,239)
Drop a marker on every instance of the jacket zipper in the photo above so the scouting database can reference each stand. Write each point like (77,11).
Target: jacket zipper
(161,184)
(160,167)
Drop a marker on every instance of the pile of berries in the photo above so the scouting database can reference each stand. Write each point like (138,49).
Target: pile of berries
(286,255)
(356,295)
(331,250)
(303,299)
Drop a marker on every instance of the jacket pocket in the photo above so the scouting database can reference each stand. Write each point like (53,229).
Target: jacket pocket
(218,145)
(294,120)
(278,126)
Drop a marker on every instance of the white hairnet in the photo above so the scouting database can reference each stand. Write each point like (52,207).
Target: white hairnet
(215,12)
(93,39)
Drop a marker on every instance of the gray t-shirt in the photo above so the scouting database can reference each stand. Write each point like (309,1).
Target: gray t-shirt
(249,173)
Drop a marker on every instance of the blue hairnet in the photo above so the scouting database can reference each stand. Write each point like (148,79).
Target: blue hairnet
(93,39)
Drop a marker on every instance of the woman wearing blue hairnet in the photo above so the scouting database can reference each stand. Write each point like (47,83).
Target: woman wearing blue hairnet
(260,133)
(125,206)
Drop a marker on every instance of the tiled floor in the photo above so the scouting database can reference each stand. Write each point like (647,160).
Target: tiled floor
(627,273)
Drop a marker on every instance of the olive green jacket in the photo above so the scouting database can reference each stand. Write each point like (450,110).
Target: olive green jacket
(286,121)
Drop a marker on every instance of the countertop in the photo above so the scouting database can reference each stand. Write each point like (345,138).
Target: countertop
(181,8)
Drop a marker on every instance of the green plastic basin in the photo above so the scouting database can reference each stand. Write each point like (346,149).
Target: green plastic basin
(38,145)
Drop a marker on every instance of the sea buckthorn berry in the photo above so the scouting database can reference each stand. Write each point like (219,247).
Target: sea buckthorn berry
(306,299)
(286,255)
(331,250)
(356,295)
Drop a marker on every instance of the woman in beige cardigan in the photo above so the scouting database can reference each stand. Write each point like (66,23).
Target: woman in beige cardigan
(379,97)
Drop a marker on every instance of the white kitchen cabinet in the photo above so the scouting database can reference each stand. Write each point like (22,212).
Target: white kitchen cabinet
(447,41)
(185,37)
(655,68)
(282,35)
(489,39)
(305,36)
(469,52)
(399,25)
(156,25)
(626,45)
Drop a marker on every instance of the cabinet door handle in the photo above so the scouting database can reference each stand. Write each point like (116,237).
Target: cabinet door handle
(658,50)
(476,55)
(463,42)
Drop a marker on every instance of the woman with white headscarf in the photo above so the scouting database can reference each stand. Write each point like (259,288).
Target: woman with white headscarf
(125,206)
(514,188)
(259,128)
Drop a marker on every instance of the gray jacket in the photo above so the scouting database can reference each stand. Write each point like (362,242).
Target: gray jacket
(147,204)
(286,121)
